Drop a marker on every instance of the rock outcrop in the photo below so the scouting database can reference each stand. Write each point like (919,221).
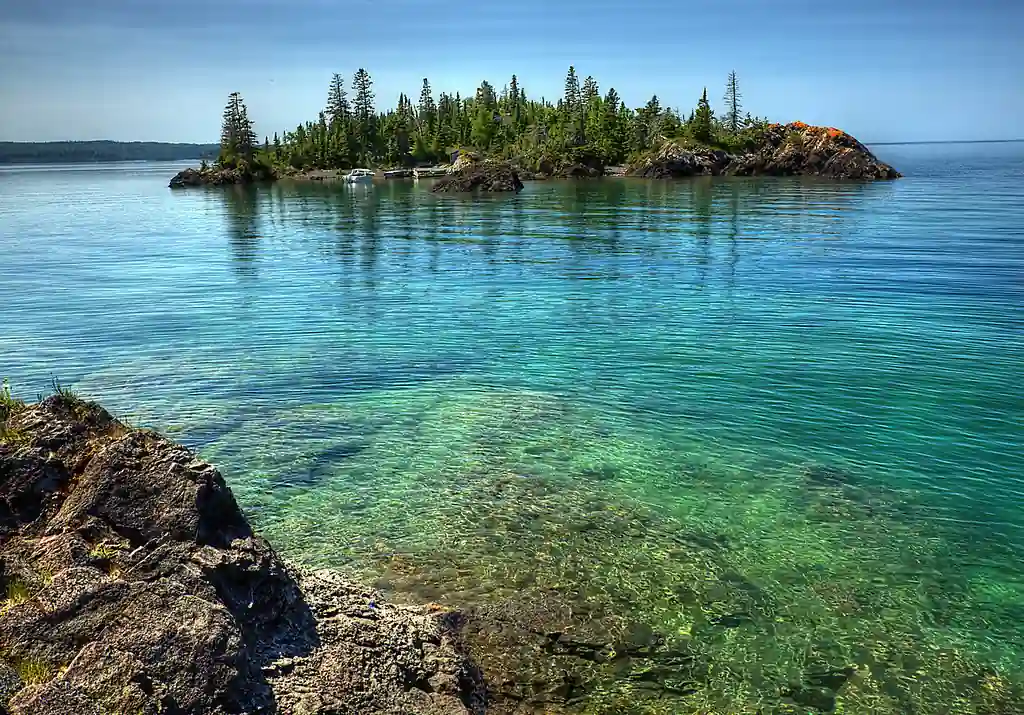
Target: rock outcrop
(672,161)
(482,176)
(220,176)
(783,150)
(132,583)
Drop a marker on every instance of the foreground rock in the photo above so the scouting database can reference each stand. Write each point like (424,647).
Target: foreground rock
(220,176)
(483,176)
(785,150)
(132,583)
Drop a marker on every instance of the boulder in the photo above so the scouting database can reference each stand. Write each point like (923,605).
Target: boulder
(132,582)
(490,177)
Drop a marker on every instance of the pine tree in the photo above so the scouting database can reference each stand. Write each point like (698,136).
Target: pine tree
(486,97)
(703,119)
(515,110)
(428,110)
(571,100)
(237,138)
(732,104)
(362,100)
(337,100)
(483,127)
(590,90)
(362,109)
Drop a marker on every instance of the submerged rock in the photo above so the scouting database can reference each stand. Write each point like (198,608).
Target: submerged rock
(784,150)
(480,177)
(133,583)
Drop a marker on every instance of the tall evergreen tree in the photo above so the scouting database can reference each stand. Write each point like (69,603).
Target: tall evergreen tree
(362,108)
(237,138)
(702,125)
(362,99)
(428,110)
(337,100)
(486,96)
(590,90)
(515,110)
(571,100)
(732,104)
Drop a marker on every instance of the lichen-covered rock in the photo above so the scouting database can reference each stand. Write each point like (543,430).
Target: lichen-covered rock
(491,177)
(673,161)
(800,149)
(795,149)
(133,583)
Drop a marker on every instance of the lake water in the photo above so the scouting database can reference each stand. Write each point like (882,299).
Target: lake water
(758,444)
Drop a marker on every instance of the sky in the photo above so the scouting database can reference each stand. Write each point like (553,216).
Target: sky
(158,70)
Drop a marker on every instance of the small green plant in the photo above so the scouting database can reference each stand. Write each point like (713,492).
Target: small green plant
(17,591)
(33,672)
(78,405)
(65,392)
(13,436)
(9,404)
(102,552)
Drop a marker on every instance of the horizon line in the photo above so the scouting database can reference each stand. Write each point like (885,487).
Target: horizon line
(217,143)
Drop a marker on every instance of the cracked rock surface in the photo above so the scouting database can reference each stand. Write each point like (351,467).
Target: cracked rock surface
(132,583)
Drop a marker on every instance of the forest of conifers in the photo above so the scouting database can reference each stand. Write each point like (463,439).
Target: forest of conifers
(583,126)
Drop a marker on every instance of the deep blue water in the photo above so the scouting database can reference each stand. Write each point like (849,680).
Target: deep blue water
(462,383)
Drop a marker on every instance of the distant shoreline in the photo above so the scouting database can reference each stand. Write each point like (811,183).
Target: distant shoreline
(102,151)
(947,141)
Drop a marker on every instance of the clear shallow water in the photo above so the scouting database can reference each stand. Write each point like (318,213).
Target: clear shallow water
(773,421)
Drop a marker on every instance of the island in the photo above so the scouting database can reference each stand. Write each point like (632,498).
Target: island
(582,134)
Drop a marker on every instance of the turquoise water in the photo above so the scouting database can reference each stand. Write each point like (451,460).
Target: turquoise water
(776,422)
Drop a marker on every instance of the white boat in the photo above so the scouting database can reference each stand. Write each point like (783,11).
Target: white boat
(359,176)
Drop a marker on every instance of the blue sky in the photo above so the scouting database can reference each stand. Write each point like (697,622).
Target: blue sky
(884,70)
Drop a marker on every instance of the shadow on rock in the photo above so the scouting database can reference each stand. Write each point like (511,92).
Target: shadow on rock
(133,583)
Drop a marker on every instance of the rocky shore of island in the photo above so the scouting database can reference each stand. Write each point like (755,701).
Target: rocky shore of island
(132,583)
(794,149)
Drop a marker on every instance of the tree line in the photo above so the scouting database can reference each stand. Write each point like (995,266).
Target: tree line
(581,126)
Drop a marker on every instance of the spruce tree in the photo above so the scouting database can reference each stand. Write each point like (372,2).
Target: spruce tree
(237,138)
(703,119)
(428,110)
(362,108)
(732,104)
(337,100)
(515,109)
(571,100)
(362,91)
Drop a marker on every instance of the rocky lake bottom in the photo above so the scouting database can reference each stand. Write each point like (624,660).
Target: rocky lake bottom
(708,446)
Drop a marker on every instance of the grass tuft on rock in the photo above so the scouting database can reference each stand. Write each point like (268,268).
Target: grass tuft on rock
(33,671)
(17,591)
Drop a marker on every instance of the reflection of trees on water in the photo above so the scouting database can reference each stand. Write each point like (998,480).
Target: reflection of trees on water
(732,192)
(243,225)
(701,200)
